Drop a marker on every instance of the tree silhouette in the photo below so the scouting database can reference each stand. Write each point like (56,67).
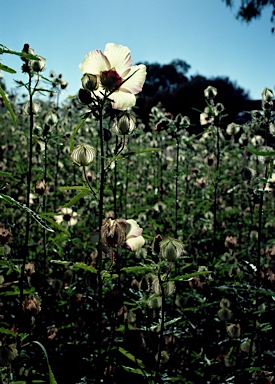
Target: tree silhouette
(249,10)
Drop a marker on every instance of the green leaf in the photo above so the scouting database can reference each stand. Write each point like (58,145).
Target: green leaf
(131,357)
(75,265)
(9,200)
(4,49)
(54,223)
(75,188)
(7,332)
(6,68)
(9,175)
(133,370)
(79,125)
(51,376)
(137,269)
(260,153)
(6,101)
(189,275)
(131,153)
(75,199)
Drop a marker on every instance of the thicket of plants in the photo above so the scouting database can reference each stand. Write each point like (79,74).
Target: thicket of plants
(132,254)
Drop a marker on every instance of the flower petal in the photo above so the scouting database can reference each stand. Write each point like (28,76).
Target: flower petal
(132,229)
(119,57)
(94,62)
(122,100)
(134,243)
(135,83)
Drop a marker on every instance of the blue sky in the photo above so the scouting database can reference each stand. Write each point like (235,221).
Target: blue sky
(204,33)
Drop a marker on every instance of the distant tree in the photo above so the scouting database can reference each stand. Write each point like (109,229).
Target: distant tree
(249,10)
(169,85)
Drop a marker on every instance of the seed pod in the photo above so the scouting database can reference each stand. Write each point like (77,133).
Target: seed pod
(124,125)
(171,249)
(83,155)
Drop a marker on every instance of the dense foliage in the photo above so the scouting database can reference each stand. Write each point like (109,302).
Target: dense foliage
(195,302)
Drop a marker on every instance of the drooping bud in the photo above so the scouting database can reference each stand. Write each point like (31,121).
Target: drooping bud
(171,249)
(112,234)
(90,82)
(124,125)
(210,92)
(83,155)
(168,286)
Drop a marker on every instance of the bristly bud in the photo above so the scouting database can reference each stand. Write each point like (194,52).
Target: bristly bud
(210,92)
(90,82)
(171,249)
(168,286)
(83,155)
(267,95)
(112,234)
(124,125)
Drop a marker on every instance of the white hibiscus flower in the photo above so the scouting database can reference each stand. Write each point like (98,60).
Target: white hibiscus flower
(117,78)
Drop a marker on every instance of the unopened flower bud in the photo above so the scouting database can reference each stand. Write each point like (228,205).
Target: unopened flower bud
(8,353)
(112,234)
(210,92)
(156,244)
(154,302)
(225,303)
(169,287)
(232,129)
(40,187)
(83,155)
(225,314)
(5,236)
(38,65)
(31,305)
(164,357)
(63,84)
(171,249)
(84,96)
(51,118)
(234,330)
(267,95)
(245,346)
(124,125)
(90,82)
(36,106)
(247,173)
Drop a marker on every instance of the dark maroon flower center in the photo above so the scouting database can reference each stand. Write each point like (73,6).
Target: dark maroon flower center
(110,80)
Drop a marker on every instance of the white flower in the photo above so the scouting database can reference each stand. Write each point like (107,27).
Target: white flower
(67,215)
(117,77)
